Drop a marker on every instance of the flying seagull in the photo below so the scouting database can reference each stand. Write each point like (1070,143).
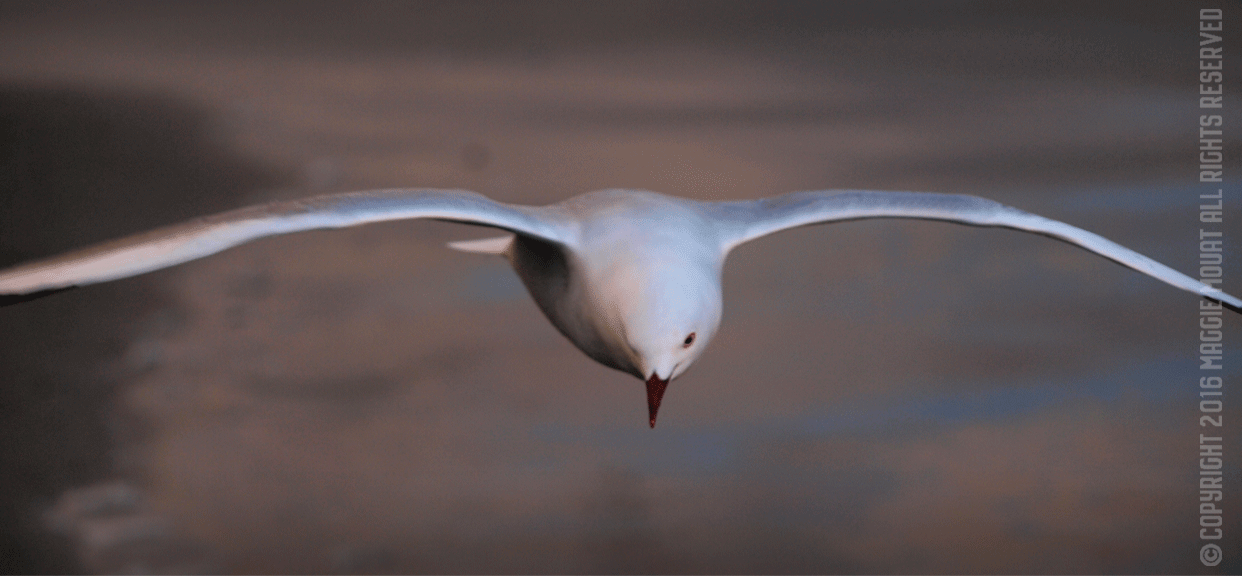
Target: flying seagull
(631,277)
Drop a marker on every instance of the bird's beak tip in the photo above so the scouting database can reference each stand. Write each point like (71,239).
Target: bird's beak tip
(655,393)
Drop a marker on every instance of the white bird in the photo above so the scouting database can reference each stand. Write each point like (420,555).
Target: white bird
(632,278)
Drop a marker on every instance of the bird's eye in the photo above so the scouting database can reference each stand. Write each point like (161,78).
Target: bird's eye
(688,341)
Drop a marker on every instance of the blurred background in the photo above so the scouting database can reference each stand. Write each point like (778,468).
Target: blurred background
(883,396)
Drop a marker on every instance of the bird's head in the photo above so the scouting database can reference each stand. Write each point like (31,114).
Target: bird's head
(665,324)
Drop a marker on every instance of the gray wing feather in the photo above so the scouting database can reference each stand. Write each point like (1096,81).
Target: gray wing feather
(747,220)
(201,237)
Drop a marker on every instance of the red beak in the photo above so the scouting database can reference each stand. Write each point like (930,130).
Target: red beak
(655,393)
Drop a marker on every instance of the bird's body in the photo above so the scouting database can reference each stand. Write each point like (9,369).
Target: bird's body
(637,262)
(632,278)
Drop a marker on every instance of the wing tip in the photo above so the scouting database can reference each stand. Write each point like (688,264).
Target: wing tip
(14,299)
(1226,304)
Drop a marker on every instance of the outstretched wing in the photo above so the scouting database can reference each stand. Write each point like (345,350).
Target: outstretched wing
(172,245)
(747,220)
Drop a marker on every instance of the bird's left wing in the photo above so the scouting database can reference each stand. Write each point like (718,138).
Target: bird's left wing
(744,221)
(172,245)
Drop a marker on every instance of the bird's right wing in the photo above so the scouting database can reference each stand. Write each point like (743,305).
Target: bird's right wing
(743,221)
(172,245)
